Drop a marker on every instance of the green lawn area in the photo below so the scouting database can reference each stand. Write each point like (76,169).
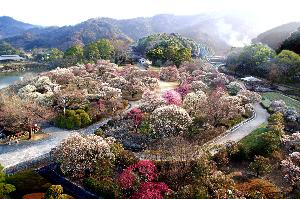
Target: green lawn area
(27,182)
(250,140)
(271,96)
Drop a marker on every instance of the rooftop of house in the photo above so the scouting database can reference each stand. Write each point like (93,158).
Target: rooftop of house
(11,57)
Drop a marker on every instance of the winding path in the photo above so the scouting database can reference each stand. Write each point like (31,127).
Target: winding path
(14,154)
(11,155)
(261,116)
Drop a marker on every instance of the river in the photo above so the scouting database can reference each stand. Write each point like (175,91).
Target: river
(7,79)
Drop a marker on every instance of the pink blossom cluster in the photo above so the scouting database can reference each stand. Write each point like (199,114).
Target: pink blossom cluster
(184,89)
(172,97)
(136,115)
(291,169)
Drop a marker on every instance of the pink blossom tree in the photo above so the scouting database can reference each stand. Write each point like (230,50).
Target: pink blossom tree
(137,116)
(172,97)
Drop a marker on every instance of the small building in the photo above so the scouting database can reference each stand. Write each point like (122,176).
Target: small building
(251,79)
(7,58)
(145,62)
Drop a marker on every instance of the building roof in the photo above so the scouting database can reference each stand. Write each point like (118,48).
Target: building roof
(250,79)
(11,57)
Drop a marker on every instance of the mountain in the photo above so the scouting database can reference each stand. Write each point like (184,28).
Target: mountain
(275,37)
(218,32)
(10,27)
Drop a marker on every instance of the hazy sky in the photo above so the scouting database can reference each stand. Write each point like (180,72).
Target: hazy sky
(263,13)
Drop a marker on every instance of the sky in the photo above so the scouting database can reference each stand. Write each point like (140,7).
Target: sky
(264,14)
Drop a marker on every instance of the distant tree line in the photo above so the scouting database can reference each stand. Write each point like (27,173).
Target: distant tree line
(262,61)
(113,50)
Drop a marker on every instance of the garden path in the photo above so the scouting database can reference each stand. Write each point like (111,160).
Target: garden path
(237,134)
(11,155)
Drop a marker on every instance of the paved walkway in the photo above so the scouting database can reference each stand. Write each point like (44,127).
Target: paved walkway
(14,154)
(236,135)
(11,155)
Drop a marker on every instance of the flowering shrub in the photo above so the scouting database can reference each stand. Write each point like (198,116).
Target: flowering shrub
(195,104)
(278,106)
(183,89)
(143,171)
(140,177)
(198,86)
(172,97)
(292,142)
(61,75)
(251,97)
(40,89)
(78,154)
(291,169)
(151,101)
(137,116)
(108,93)
(133,90)
(152,190)
(150,83)
(169,121)
(234,88)
(169,74)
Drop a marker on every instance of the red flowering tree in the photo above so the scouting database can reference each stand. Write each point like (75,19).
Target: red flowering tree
(143,171)
(172,97)
(151,190)
(137,116)
(140,176)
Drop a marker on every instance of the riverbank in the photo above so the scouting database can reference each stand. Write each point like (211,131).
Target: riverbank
(20,66)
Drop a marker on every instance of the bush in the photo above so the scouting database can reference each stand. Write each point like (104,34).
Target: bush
(264,188)
(73,119)
(170,121)
(99,132)
(27,182)
(105,188)
(54,192)
(260,165)
(126,158)
(169,74)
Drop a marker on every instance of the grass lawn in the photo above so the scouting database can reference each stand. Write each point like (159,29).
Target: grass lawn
(250,140)
(271,96)
(27,182)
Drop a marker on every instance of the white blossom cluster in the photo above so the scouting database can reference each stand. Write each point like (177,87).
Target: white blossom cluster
(195,103)
(198,86)
(78,154)
(151,101)
(170,121)
(250,97)
(40,90)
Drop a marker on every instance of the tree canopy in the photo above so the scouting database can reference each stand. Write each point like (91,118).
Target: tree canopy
(161,48)
(292,43)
